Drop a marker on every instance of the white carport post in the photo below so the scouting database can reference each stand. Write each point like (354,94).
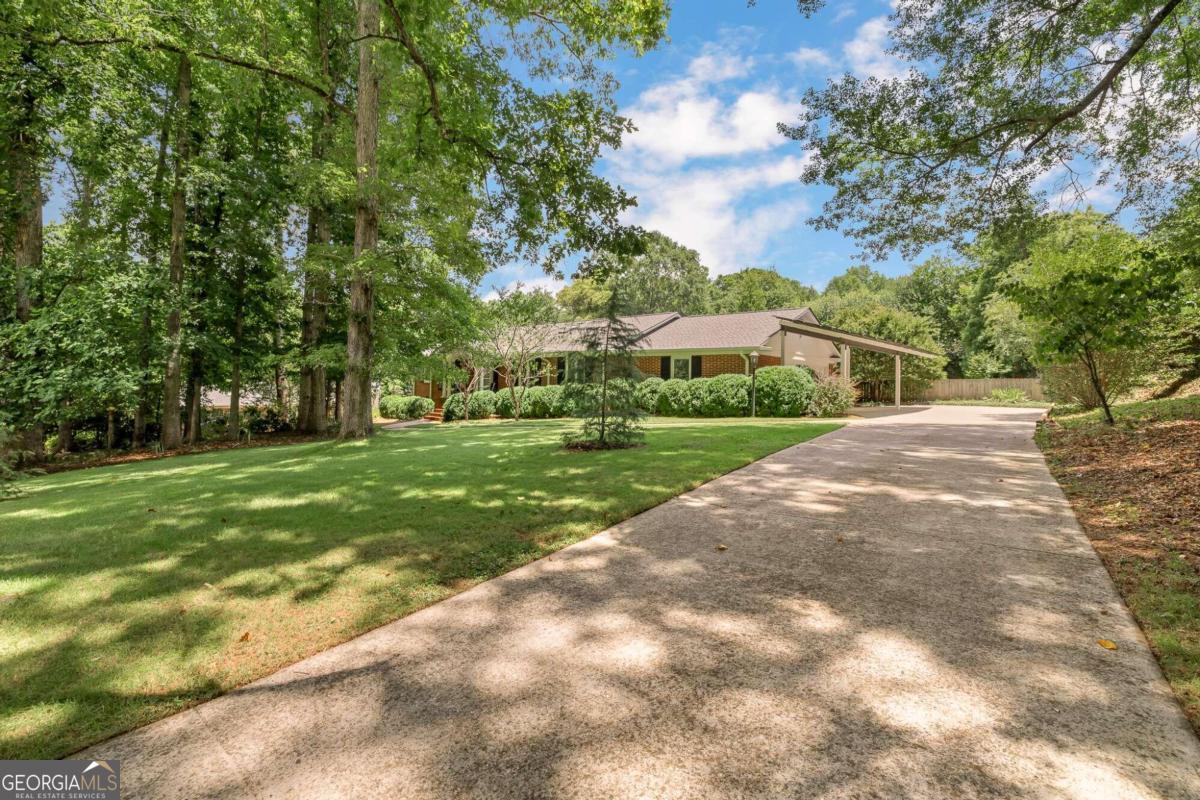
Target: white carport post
(845,361)
(897,381)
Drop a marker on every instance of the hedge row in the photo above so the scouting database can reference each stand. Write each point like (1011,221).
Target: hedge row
(779,392)
(404,406)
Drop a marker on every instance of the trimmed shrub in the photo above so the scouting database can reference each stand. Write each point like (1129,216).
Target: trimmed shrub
(646,394)
(694,394)
(504,404)
(726,396)
(672,401)
(832,397)
(784,391)
(483,405)
(404,406)
(541,402)
(564,402)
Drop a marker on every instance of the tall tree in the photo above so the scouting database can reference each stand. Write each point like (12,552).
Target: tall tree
(1003,99)
(758,289)
(1090,289)
(662,275)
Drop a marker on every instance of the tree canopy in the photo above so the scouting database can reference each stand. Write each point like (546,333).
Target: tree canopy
(1004,102)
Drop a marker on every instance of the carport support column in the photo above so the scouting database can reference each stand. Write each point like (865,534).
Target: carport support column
(845,361)
(897,381)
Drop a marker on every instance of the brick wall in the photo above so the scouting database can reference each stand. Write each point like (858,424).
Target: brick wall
(769,361)
(722,364)
(649,366)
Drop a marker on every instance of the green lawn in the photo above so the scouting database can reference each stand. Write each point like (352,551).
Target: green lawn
(127,592)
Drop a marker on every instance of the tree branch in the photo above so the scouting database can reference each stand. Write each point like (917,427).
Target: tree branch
(234,61)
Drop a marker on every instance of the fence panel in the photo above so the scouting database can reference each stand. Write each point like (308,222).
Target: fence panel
(981,388)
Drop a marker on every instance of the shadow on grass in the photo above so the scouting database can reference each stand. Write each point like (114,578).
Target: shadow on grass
(131,591)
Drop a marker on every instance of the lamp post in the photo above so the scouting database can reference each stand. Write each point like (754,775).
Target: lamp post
(753,375)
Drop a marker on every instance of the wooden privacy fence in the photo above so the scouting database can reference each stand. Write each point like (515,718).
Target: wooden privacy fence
(980,388)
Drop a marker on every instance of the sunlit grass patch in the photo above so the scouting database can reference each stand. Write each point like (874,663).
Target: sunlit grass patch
(132,591)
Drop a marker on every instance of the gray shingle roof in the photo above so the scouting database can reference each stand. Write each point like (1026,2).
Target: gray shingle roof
(671,331)
(721,331)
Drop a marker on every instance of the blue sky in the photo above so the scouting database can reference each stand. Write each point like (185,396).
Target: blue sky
(707,165)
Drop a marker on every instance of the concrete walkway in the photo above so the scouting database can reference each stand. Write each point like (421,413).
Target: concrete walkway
(904,608)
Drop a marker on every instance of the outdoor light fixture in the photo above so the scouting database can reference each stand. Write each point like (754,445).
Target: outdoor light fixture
(753,374)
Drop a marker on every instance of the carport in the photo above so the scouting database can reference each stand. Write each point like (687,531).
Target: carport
(845,340)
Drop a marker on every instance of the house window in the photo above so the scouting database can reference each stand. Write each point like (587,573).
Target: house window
(681,367)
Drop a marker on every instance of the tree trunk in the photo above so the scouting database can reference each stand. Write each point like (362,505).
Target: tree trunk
(27,241)
(145,386)
(172,374)
(1089,361)
(66,435)
(110,434)
(233,428)
(195,397)
(312,391)
(359,346)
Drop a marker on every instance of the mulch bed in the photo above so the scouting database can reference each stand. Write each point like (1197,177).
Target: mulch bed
(1135,488)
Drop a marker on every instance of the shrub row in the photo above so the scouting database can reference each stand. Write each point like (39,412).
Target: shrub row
(779,392)
(404,406)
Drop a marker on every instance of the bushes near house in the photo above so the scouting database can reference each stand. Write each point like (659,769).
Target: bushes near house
(725,396)
(404,406)
(672,400)
(646,394)
(832,396)
(482,405)
(784,391)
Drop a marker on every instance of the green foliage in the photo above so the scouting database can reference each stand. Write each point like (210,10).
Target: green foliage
(1089,288)
(875,372)
(1118,371)
(725,396)
(1009,396)
(481,405)
(783,391)
(663,276)
(647,392)
(832,396)
(9,458)
(602,381)
(395,406)
(757,289)
(544,402)
(672,398)
(695,392)
(1001,110)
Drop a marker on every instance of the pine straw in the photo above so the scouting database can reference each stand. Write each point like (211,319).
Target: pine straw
(1135,488)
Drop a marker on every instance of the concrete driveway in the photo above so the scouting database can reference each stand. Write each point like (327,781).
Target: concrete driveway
(903,608)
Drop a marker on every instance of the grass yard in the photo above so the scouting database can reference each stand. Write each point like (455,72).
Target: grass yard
(1135,487)
(130,592)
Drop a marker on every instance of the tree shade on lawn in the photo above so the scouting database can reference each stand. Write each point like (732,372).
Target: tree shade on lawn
(130,592)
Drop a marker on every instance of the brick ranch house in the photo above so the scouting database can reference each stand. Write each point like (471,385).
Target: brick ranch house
(674,346)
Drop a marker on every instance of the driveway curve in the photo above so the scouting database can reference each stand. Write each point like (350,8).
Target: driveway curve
(903,608)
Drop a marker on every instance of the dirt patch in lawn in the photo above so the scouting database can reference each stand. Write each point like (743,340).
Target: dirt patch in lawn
(1136,490)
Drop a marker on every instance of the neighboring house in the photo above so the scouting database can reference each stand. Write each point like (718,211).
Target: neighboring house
(674,346)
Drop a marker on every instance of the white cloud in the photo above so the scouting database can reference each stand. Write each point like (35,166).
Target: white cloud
(844,13)
(691,117)
(705,208)
(807,57)
(701,162)
(867,55)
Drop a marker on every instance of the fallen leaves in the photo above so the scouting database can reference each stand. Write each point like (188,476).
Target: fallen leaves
(245,637)
(722,547)
(1107,644)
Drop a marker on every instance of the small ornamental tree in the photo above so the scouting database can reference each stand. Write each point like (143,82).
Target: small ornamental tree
(1090,290)
(602,381)
(517,327)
